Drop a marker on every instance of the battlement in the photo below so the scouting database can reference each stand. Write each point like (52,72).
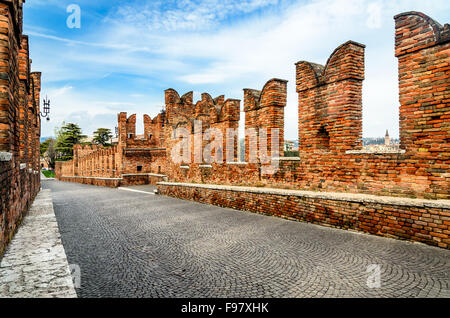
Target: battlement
(265,109)
(181,110)
(330,101)
(346,62)
(272,94)
(330,126)
(153,131)
(416,31)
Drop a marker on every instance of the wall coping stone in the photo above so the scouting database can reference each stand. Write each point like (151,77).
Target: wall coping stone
(143,174)
(375,152)
(336,196)
(287,159)
(98,178)
(237,163)
(144,149)
(184,167)
(5,156)
(205,166)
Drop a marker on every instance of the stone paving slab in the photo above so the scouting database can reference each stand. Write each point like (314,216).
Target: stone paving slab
(131,244)
(35,263)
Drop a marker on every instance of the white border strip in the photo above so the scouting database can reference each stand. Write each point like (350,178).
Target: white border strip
(133,190)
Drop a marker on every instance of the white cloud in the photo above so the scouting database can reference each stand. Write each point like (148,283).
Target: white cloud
(72,105)
(374,11)
(191,46)
(184,15)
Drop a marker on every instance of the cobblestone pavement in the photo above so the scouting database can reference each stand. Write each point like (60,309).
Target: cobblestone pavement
(35,263)
(131,244)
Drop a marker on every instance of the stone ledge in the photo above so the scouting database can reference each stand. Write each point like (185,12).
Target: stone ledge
(287,159)
(97,178)
(205,166)
(336,196)
(184,167)
(143,174)
(375,152)
(5,156)
(143,149)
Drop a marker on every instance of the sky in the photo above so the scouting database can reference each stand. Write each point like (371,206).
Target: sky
(124,54)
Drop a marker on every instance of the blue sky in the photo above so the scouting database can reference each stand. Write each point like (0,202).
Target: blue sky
(126,53)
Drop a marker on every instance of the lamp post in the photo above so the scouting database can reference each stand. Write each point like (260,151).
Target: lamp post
(46,109)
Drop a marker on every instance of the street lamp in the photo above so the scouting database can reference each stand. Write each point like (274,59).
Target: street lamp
(46,109)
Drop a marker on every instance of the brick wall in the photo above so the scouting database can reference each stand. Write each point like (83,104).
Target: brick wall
(330,123)
(19,122)
(330,126)
(106,166)
(409,219)
(265,110)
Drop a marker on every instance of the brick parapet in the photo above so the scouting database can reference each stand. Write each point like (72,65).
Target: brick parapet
(330,126)
(415,220)
(330,101)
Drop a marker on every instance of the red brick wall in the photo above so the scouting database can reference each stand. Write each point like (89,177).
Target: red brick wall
(92,164)
(19,122)
(330,125)
(265,110)
(330,101)
(423,51)
(408,219)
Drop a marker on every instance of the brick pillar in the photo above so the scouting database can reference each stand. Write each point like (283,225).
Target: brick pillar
(271,115)
(265,110)
(131,126)
(177,110)
(422,47)
(148,127)
(330,101)
(122,126)
(229,118)
(251,103)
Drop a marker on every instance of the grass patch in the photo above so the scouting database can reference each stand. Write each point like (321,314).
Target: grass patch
(48,173)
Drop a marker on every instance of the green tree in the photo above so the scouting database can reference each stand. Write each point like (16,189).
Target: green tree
(66,137)
(102,136)
(44,146)
(48,152)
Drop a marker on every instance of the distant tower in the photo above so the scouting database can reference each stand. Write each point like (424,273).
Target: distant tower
(387,140)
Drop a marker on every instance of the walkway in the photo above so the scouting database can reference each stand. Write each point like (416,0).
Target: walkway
(133,244)
(35,263)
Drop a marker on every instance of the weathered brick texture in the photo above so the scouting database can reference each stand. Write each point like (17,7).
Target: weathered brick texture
(129,162)
(330,126)
(19,122)
(409,219)
(330,129)
(265,110)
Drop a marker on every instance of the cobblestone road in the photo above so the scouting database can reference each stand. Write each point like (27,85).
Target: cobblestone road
(131,244)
